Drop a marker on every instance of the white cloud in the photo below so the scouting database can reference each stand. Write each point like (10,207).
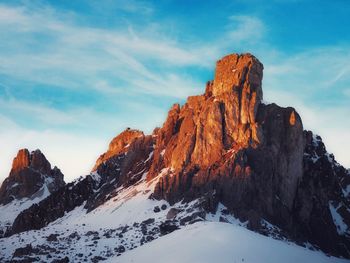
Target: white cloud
(74,55)
(316,69)
(42,113)
(246,28)
(132,6)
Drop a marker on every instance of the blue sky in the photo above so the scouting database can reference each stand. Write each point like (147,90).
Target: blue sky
(73,74)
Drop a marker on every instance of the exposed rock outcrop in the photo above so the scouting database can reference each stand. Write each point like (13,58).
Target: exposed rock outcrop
(228,147)
(118,145)
(321,209)
(129,158)
(54,206)
(29,173)
(227,142)
(125,162)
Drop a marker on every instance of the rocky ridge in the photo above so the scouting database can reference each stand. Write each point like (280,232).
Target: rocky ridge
(29,172)
(224,148)
(31,180)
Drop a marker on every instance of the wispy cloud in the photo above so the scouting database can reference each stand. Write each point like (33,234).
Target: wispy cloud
(73,55)
(318,75)
(314,82)
(139,7)
(43,48)
(245,28)
(52,49)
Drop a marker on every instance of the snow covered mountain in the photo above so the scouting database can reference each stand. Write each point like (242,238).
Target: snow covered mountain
(224,176)
(220,242)
(117,230)
(31,180)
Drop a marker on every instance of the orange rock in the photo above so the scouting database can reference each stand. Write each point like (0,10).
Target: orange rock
(21,161)
(118,145)
(207,125)
(29,172)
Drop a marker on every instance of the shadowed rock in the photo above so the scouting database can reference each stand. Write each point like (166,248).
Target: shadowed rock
(224,146)
(29,173)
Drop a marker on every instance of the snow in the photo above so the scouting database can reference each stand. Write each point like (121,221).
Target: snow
(149,157)
(338,220)
(117,216)
(119,223)
(220,242)
(316,139)
(115,223)
(10,211)
(96,177)
(14,185)
(346,191)
(221,216)
(265,102)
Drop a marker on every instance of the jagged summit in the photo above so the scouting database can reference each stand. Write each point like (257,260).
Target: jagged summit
(35,160)
(29,172)
(222,153)
(233,70)
(30,180)
(118,145)
(227,145)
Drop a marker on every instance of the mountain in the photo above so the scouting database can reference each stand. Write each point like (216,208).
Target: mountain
(31,180)
(224,156)
(224,243)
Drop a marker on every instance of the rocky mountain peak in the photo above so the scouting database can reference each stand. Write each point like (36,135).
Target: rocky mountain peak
(29,173)
(239,76)
(223,118)
(225,149)
(234,70)
(21,161)
(35,160)
(118,145)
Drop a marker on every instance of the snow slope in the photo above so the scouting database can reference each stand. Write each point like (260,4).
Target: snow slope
(10,211)
(128,228)
(220,242)
(123,223)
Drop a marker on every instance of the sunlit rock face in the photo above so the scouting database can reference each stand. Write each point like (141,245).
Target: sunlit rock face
(224,146)
(125,162)
(210,124)
(227,146)
(225,141)
(29,172)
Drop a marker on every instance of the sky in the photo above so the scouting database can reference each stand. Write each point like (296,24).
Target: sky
(73,74)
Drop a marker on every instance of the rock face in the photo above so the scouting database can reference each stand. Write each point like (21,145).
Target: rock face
(227,147)
(208,125)
(321,208)
(29,173)
(118,145)
(127,159)
(53,207)
(227,142)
